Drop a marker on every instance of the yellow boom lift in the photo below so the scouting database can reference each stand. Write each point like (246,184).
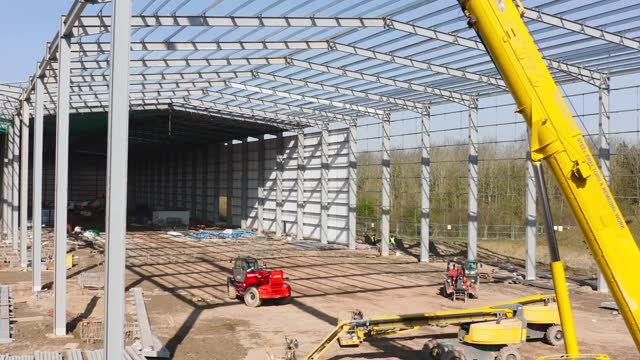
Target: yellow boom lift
(487,332)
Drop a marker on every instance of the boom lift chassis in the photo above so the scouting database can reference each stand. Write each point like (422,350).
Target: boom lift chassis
(356,330)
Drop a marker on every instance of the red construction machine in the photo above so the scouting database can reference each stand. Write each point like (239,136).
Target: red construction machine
(462,280)
(255,283)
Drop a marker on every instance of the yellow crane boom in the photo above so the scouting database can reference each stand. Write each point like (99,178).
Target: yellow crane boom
(556,138)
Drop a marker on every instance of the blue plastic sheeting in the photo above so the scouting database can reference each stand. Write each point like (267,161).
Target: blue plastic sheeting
(233,234)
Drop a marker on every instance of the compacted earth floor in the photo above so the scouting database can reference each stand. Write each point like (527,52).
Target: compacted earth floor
(184,282)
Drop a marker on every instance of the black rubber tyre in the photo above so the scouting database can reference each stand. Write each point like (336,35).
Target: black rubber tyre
(252,297)
(430,350)
(231,290)
(452,355)
(553,335)
(283,301)
(509,353)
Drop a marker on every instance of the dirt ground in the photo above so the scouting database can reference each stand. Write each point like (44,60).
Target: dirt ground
(185,291)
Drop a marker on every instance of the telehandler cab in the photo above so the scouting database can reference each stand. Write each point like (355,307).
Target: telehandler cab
(254,283)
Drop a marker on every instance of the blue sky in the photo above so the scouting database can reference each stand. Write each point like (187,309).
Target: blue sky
(25,27)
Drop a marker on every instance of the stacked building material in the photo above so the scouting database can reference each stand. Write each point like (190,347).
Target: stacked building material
(6,315)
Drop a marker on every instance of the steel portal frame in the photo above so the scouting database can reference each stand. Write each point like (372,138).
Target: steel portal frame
(332,67)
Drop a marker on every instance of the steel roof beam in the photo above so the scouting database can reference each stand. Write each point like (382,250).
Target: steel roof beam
(195,88)
(99,24)
(13,90)
(184,106)
(91,49)
(95,65)
(450,95)
(98,48)
(51,51)
(580,28)
(410,105)
(92,25)
(103,107)
(407,104)
(292,120)
(327,114)
(591,76)
(164,76)
(150,86)
(354,107)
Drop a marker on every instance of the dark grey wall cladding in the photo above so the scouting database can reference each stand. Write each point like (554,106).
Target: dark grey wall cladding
(187,180)
(190,178)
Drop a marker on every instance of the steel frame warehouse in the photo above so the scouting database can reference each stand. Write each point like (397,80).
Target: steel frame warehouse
(340,61)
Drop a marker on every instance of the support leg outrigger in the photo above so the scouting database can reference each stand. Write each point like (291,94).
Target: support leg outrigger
(557,269)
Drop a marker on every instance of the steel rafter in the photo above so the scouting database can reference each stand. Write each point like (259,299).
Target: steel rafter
(449,95)
(582,73)
(294,121)
(96,48)
(91,25)
(51,51)
(285,94)
(408,104)
(325,114)
(581,28)
(196,88)
(184,106)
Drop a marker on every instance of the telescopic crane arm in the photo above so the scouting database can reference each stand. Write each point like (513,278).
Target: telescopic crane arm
(556,138)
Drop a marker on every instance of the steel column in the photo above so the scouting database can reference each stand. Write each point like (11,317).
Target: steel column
(386,184)
(61,186)
(353,184)
(11,160)
(24,183)
(15,182)
(5,158)
(531,220)
(425,186)
(230,182)
(117,153)
(260,211)
(5,187)
(8,210)
(244,192)
(472,232)
(300,185)
(604,153)
(324,184)
(279,171)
